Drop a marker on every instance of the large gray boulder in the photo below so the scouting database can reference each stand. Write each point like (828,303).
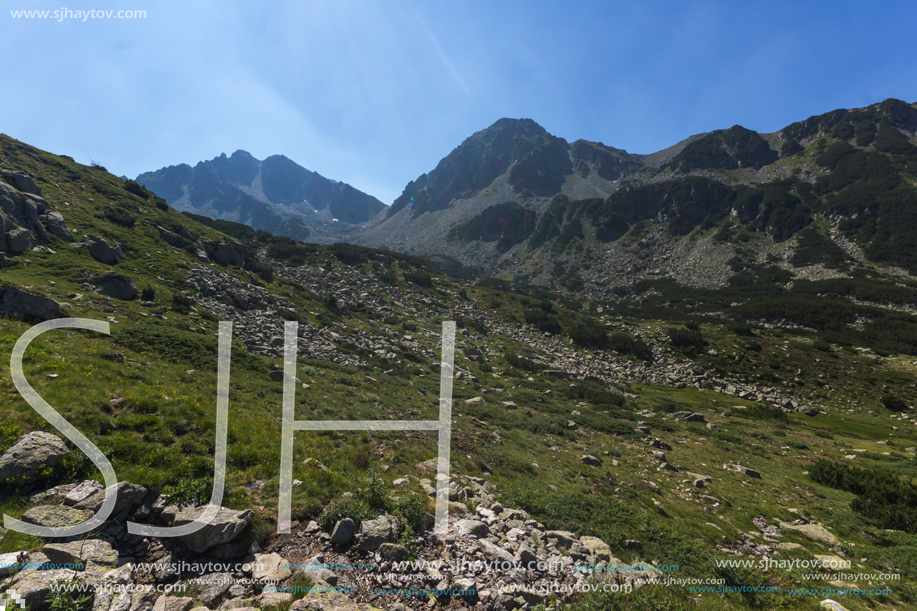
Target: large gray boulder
(494,552)
(23,209)
(116,597)
(82,491)
(472,528)
(173,603)
(9,563)
(128,495)
(314,570)
(30,456)
(19,239)
(223,528)
(102,251)
(226,253)
(56,516)
(21,180)
(23,305)
(384,529)
(343,531)
(326,598)
(82,552)
(597,549)
(18,208)
(116,286)
(56,225)
(172,239)
(212,588)
(270,567)
(52,496)
(35,586)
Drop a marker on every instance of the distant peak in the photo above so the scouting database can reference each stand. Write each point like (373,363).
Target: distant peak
(524,124)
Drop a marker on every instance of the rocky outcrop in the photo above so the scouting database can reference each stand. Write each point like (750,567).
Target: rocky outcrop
(24,305)
(56,516)
(173,239)
(54,220)
(383,529)
(126,496)
(19,239)
(223,528)
(26,219)
(21,180)
(98,551)
(227,252)
(112,284)
(30,457)
(101,250)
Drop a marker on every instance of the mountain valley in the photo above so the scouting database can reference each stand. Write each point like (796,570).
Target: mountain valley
(695,359)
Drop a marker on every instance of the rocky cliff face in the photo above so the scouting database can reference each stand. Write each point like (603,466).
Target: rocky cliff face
(26,219)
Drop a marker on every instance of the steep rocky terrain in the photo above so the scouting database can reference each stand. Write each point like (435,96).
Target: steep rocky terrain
(516,202)
(274,195)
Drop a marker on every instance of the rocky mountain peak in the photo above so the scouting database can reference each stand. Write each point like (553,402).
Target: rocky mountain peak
(275,194)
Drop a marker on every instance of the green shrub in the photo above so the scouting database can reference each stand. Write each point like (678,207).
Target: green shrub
(374,493)
(741,328)
(761,411)
(263,270)
(542,320)
(625,343)
(132,186)
(893,403)
(413,508)
(587,332)
(181,303)
(686,340)
(289,251)
(148,293)
(420,278)
(522,363)
(9,433)
(888,500)
(192,492)
(70,596)
(119,217)
(594,392)
(346,507)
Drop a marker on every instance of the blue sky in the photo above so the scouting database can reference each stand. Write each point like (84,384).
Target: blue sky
(376,93)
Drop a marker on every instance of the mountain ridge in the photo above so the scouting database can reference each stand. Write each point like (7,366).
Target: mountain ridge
(274,194)
(773,184)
